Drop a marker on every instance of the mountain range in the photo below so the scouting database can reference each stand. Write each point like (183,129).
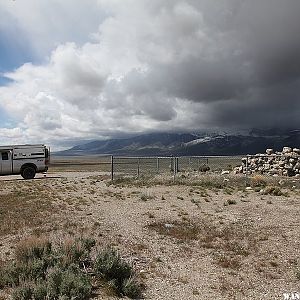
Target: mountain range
(184,144)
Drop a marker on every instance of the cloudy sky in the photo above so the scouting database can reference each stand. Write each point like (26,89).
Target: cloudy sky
(84,69)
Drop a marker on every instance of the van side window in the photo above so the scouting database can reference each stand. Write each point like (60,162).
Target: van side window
(4,155)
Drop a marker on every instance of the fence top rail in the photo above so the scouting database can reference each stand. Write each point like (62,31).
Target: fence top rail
(269,155)
(169,157)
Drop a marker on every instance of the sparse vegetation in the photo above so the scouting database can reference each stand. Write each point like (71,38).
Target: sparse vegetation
(231,202)
(146,196)
(65,271)
(273,190)
(189,226)
(232,243)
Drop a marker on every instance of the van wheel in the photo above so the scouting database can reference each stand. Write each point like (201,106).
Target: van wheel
(28,173)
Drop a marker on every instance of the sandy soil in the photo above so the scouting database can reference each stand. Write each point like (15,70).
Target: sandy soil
(186,242)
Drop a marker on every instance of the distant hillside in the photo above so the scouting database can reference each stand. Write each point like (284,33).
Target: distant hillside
(191,144)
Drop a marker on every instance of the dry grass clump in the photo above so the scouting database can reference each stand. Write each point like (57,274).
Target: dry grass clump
(258,181)
(44,271)
(32,247)
(274,191)
(25,208)
(229,261)
(231,242)
(181,230)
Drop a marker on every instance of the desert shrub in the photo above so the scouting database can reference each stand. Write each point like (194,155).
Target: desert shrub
(43,272)
(40,292)
(131,288)
(22,293)
(12,275)
(110,266)
(75,251)
(71,283)
(53,282)
(88,244)
(75,285)
(71,251)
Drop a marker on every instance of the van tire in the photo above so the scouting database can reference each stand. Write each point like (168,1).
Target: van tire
(28,173)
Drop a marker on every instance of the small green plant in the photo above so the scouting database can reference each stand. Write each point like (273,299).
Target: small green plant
(230,202)
(146,196)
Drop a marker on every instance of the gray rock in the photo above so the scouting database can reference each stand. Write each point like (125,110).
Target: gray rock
(286,150)
(296,150)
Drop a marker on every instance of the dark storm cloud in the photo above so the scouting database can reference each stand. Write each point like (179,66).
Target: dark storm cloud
(246,69)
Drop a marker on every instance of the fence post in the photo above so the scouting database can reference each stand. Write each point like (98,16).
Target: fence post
(246,174)
(174,169)
(157,165)
(138,168)
(112,167)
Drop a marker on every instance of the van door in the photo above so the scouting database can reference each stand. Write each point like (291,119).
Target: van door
(6,162)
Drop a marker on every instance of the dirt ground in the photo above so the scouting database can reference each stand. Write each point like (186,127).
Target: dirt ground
(186,241)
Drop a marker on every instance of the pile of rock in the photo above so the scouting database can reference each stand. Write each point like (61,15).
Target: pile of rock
(285,163)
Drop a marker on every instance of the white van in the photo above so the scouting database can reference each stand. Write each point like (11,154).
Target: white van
(26,160)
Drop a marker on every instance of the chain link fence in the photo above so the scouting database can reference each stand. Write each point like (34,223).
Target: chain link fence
(171,166)
(244,169)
